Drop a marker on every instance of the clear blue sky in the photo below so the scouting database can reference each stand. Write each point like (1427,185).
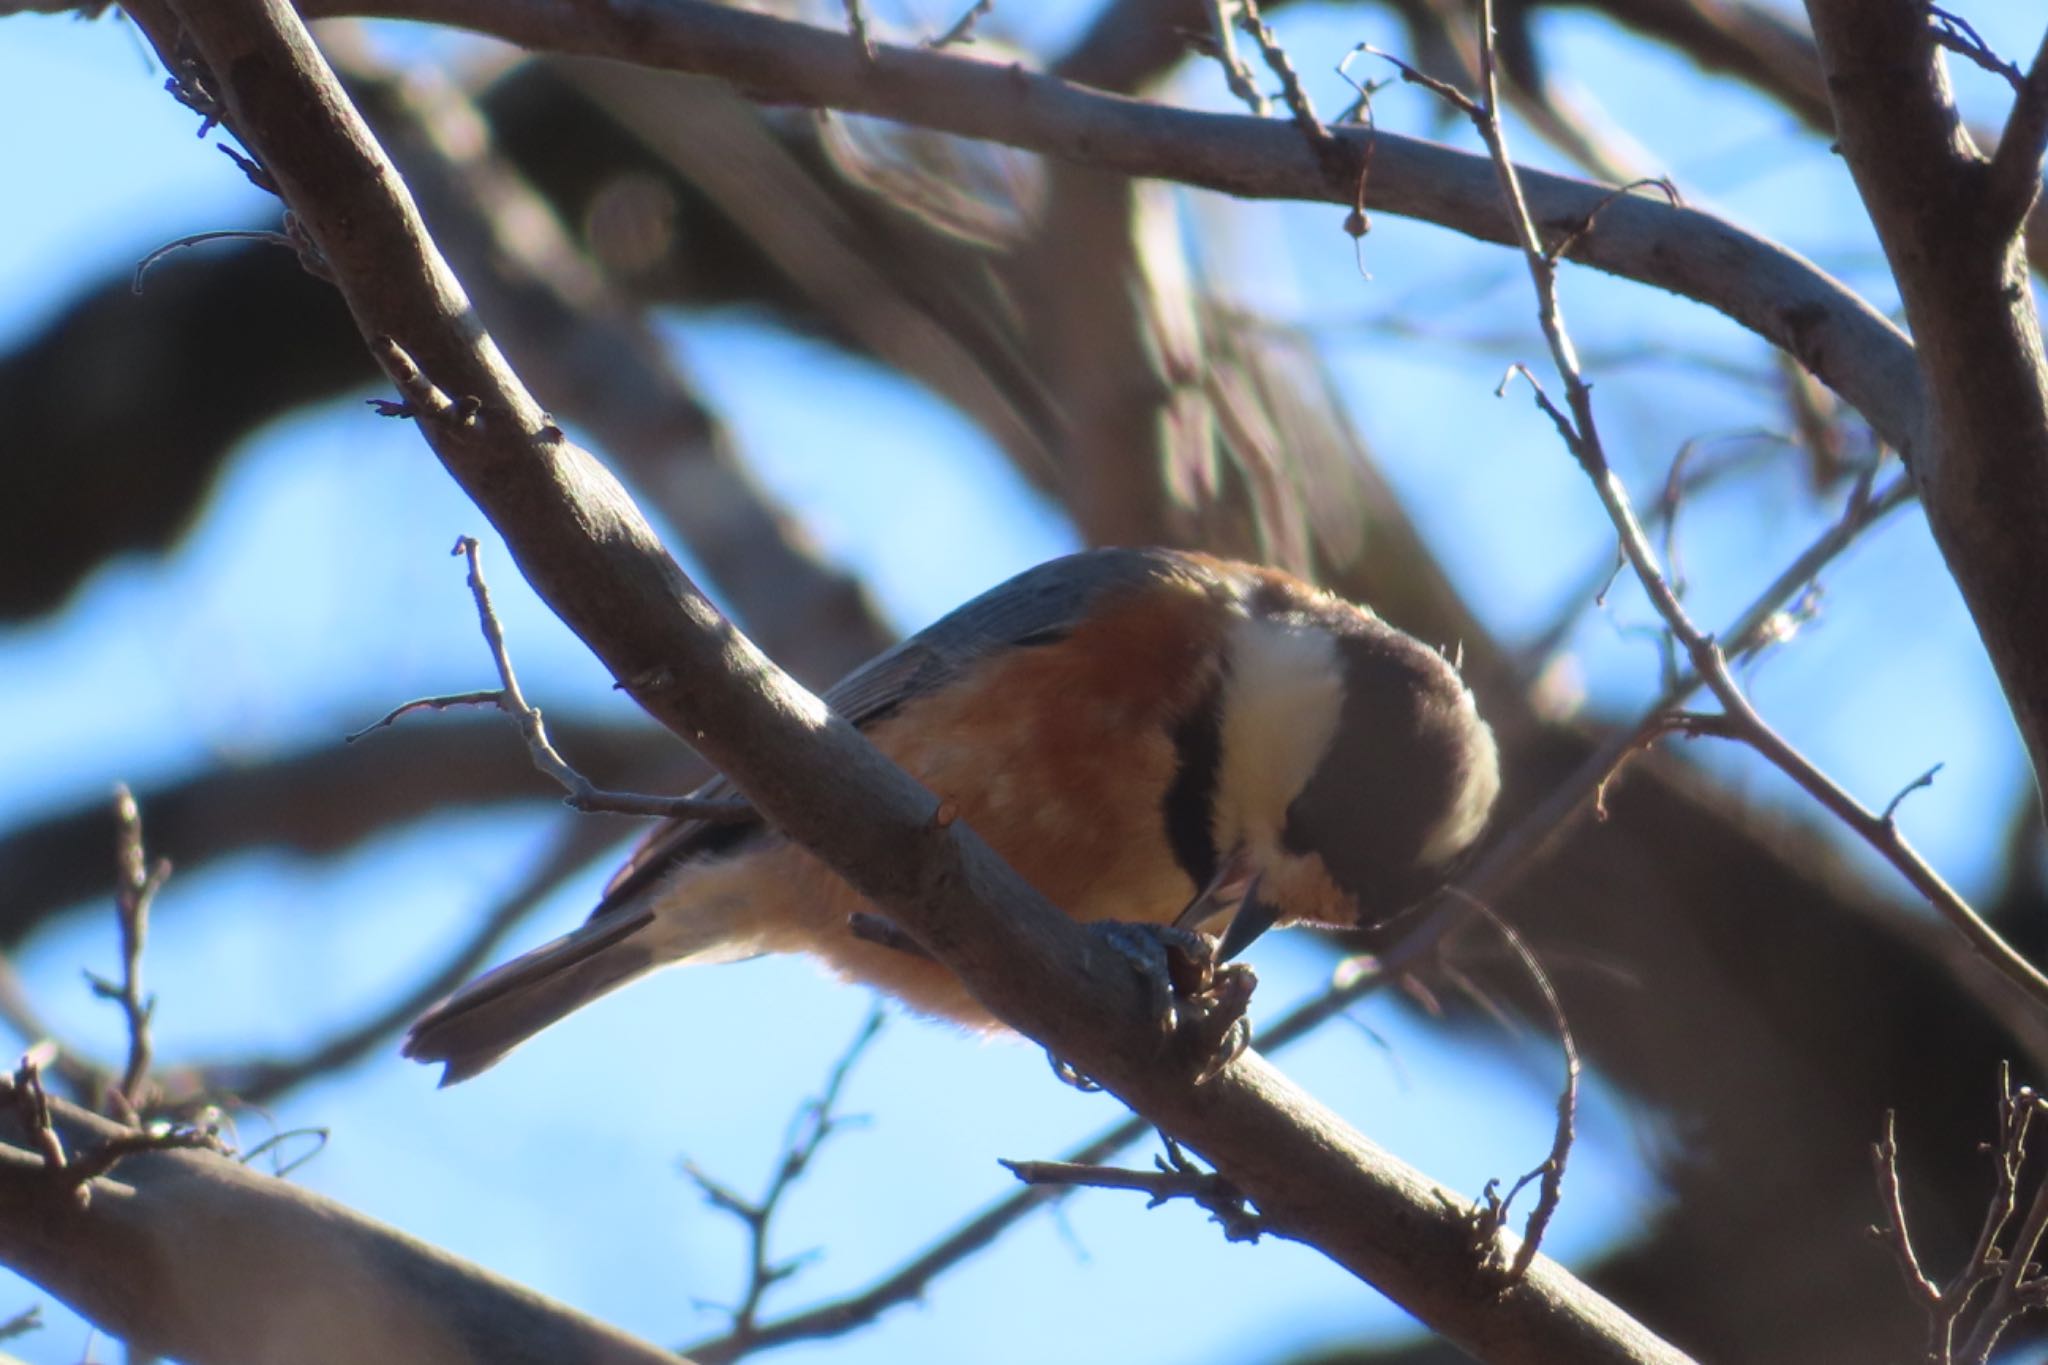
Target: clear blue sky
(317,591)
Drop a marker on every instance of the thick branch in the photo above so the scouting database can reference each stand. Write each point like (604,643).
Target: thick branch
(1771,291)
(1955,251)
(193,1255)
(587,551)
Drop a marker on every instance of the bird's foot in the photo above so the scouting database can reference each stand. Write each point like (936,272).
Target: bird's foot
(1199,1002)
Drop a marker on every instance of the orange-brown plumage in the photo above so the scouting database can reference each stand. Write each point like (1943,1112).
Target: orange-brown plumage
(1136,732)
(1098,851)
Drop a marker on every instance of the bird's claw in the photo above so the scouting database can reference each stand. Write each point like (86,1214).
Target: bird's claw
(1198,1002)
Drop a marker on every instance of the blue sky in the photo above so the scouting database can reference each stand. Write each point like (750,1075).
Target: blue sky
(317,591)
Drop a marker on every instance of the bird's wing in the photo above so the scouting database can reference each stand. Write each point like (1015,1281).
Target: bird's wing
(1038,606)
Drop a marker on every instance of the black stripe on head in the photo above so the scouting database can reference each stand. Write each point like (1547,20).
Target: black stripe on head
(1190,802)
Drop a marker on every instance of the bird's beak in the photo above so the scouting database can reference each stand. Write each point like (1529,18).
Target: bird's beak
(1222,895)
(1253,917)
(1234,887)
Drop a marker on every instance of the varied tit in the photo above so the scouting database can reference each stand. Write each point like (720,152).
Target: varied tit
(1145,735)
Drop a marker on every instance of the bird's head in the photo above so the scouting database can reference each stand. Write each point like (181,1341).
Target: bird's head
(1353,770)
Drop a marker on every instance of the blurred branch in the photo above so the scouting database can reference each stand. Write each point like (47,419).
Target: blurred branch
(1782,298)
(259,1081)
(317,801)
(193,1255)
(593,357)
(911,297)
(592,557)
(123,463)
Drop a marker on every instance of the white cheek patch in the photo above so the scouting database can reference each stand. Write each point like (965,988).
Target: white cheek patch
(1472,803)
(1281,703)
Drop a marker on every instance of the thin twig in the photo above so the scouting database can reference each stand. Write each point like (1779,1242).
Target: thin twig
(1320,140)
(1955,33)
(1577,427)
(857,26)
(140,880)
(71,1175)
(2012,1270)
(194,239)
(1884,1158)
(583,794)
(962,30)
(813,1125)
(1176,1177)
(1549,1174)
(27,1320)
(2015,1275)
(1925,779)
(1237,73)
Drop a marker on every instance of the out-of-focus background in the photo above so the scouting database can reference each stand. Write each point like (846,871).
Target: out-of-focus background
(861,373)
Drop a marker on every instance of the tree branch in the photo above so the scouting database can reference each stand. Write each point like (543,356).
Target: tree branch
(590,555)
(1982,461)
(193,1255)
(1771,291)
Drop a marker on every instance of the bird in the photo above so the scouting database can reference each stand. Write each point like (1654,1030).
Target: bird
(1150,737)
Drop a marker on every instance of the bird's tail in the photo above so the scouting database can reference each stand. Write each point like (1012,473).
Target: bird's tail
(478,1025)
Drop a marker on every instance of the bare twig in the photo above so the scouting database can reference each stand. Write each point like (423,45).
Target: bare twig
(1176,1177)
(1959,36)
(1320,140)
(1549,1174)
(1237,73)
(2012,1270)
(28,1320)
(33,1102)
(2015,1275)
(962,30)
(2016,164)
(194,239)
(140,880)
(857,26)
(1925,779)
(814,1124)
(1884,1157)
(583,794)
(71,1175)
(1577,427)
